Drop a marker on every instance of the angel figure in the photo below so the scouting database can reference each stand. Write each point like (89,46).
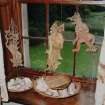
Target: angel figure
(55,44)
(82,34)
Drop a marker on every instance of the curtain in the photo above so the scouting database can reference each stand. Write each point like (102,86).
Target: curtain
(100,84)
(3,89)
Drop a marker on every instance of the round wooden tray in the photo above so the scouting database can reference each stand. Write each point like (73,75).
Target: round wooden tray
(55,83)
(44,94)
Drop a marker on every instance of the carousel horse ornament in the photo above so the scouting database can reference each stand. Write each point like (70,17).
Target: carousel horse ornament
(12,43)
(55,44)
(82,34)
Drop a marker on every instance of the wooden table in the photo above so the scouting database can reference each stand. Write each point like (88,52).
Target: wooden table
(85,97)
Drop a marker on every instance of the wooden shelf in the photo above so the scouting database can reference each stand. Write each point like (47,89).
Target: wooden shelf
(34,73)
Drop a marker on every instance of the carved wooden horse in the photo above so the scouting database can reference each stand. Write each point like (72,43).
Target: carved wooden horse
(82,34)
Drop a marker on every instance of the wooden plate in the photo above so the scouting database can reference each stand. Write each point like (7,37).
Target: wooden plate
(78,85)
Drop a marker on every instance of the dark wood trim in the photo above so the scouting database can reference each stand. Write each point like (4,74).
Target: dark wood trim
(33,73)
(78,2)
(29,72)
(89,2)
(5,21)
(32,1)
(3,2)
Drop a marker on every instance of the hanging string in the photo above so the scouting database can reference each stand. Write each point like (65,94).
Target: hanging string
(47,23)
(77,8)
(61,11)
(47,31)
(74,54)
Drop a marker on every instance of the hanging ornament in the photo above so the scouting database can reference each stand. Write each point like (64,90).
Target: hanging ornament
(82,34)
(12,43)
(55,44)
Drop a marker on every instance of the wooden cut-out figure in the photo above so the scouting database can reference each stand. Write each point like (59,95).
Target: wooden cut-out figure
(55,44)
(12,43)
(82,34)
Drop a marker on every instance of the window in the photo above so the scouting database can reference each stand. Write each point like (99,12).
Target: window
(86,63)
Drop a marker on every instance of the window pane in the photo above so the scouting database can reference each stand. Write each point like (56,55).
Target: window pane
(86,63)
(36,15)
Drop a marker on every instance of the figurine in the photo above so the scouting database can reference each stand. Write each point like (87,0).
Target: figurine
(82,34)
(12,43)
(55,44)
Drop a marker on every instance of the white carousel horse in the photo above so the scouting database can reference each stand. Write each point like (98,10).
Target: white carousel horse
(82,34)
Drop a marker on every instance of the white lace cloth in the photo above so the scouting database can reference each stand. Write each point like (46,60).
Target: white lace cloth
(3,89)
(19,84)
